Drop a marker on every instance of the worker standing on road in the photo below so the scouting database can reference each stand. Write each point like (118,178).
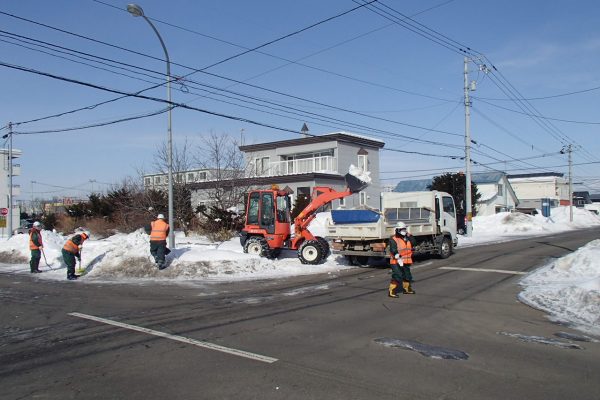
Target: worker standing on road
(35,245)
(158,240)
(71,251)
(401,245)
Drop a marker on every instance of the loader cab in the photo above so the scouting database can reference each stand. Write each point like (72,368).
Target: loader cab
(268,215)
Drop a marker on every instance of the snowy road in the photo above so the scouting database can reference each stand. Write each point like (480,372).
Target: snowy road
(331,336)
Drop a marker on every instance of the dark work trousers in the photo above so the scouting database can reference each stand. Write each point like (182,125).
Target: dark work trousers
(401,273)
(34,263)
(70,261)
(158,250)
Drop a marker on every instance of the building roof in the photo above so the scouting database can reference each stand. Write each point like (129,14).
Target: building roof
(537,175)
(481,178)
(416,185)
(336,136)
(268,180)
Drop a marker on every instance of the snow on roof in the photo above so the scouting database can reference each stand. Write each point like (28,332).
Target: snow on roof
(488,195)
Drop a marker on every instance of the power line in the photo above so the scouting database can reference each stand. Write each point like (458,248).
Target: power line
(537,116)
(546,97)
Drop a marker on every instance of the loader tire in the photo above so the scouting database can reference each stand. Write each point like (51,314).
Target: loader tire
(311,252)
(257,245)
(325,245)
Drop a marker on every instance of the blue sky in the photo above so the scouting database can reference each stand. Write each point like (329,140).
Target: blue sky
(541,48)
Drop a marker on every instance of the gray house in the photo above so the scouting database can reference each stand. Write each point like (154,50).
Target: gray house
(303,163)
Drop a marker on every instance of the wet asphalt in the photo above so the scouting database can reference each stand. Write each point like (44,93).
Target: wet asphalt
(334,336)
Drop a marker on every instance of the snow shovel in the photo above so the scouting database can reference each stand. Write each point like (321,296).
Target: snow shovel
(45,260)
(80,270)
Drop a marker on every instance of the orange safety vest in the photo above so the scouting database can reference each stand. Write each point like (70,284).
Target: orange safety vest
(32,246)
(71,247)
(159,230)
(405,251)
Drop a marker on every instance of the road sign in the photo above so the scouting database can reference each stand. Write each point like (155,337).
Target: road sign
(2,221)
(3,211)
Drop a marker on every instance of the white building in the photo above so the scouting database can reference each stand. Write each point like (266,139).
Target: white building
(4,190)
(497,194)
(532,188)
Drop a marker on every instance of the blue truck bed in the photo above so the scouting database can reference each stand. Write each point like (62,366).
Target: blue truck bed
(354,216)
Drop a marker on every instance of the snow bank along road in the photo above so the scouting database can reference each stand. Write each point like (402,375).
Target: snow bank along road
(322,337)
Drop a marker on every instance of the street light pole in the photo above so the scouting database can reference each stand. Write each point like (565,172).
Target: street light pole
(137,11)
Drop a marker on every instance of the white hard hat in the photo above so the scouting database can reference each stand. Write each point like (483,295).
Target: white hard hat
(37,224)
(161,216)
(86,233)
(400,225)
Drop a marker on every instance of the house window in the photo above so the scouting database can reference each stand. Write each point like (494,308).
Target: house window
(362,162)
(304,191)
(262,165)
(500,189)
(201,176)
(190,177)
(363,198)
(342,202)
(157,180)
(148,181)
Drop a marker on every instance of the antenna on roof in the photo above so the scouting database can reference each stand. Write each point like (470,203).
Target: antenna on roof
(304,130)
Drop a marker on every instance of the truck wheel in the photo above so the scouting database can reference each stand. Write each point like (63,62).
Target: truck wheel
(445,248)
(310,252)
(257,245)
(325,245)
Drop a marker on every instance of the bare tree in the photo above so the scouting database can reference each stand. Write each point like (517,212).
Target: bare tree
(220,155)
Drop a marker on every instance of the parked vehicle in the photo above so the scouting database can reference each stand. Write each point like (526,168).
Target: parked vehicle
(24,228)
(429,216)
(267,230)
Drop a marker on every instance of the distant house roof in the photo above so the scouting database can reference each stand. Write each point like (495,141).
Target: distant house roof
(417,185)
(537,175)
(336,136)
(481,178)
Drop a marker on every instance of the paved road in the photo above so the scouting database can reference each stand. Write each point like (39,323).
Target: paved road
(320,329)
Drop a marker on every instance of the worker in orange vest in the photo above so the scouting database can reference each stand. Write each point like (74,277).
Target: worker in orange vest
(401,250)
(158,240)
(35,245)
(71,251)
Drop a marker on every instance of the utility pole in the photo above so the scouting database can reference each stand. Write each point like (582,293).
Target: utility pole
(570,149)
(468,206)
(10,182)
(242,136)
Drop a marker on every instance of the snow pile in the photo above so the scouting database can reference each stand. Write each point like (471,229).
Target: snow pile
(509,226)
(127,257)
(360,174)
(568,288)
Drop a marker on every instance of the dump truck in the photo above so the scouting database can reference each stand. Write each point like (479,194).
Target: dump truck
(362,235)
(268,224)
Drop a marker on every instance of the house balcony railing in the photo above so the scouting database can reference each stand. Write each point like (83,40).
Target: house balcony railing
(325,164)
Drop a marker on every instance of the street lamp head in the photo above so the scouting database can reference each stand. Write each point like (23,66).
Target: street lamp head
(135,10)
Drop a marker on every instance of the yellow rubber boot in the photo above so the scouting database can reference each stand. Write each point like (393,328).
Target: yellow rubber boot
(406,288)
(392,289)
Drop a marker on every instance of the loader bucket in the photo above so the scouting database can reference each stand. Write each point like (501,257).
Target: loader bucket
(354,184)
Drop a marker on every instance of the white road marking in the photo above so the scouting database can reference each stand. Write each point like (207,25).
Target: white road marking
(421,265)
(211,346)
(500,271)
